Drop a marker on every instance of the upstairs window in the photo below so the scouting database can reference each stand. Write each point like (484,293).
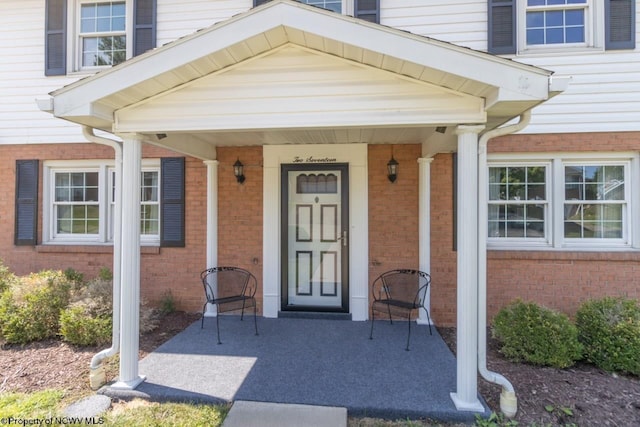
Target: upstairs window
(81,35)
(523,26)
(102,35)
(551,22)
(334,5)
(368,10)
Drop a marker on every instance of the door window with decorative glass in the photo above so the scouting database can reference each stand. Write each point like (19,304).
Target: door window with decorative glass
(517,202)
(102,33)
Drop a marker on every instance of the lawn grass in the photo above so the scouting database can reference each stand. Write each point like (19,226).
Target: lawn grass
(50,404)
(43,404)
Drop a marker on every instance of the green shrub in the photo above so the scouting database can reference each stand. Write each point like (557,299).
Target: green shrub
(88,320)
(609,329)
(105,274)
(30,307)
(6,277)
(167,303)
(75,277)
(537,335)
(80,327)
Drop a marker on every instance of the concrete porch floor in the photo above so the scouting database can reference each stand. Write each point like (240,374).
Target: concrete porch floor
(311,362)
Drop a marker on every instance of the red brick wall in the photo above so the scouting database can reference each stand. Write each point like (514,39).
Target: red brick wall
(393,209)
(240,212)
(443,257)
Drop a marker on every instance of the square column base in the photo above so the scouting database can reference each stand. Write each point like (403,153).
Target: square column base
(128,385)
(462,405)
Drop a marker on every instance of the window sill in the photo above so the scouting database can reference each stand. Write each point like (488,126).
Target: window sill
(90,249)
(556,255)
(558,51)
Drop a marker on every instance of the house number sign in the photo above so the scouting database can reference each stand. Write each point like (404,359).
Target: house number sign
(311,159)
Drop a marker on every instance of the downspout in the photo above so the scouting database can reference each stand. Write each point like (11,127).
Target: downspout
(97,376)
(508,399)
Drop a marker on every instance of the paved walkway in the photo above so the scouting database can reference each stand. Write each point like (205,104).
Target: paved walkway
(262,414)
(330,363)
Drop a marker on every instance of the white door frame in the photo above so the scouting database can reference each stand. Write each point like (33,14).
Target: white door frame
(356,156)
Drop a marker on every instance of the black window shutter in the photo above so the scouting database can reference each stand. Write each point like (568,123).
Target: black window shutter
(172,202)
(502,27)
(144,26)
(55,38)
(620,24)
(369,10)
(26,220)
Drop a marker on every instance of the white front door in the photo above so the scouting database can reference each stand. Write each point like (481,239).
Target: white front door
(315,237)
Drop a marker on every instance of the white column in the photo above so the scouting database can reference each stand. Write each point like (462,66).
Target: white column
(130,264)
(466,395)
(271,234)
(359,234)
(424,227)
(212,222)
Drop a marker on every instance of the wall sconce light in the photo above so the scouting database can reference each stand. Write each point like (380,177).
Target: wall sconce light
(392,169)
(238,171)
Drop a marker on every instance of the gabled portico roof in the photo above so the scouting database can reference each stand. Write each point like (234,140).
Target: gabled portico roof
(502,89)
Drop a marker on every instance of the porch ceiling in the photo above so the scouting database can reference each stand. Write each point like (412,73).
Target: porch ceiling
(504,87)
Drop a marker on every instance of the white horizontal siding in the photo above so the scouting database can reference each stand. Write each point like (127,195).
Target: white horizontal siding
(463,22)
(22,78)
(177,18)
(604,94)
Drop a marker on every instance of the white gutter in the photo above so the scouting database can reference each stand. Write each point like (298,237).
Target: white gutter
(97,374)
(508,399)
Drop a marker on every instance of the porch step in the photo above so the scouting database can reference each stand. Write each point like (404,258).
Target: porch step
(262,414)
(314,315)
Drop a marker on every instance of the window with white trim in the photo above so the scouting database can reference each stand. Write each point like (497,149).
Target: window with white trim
(368,10)
(79,202)
(563,202)
(87,35)
(149,204)
(76,204)
(594,201)
(102,33)
(530,26)
(518,202)
(556,21)
(334,5)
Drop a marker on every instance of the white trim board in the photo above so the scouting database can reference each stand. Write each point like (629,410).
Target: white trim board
(356,156)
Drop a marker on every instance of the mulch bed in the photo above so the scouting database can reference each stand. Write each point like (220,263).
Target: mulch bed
(54,364)
(595,397)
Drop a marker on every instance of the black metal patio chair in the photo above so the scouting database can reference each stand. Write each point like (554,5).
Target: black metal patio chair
(400,292)
(229,289)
